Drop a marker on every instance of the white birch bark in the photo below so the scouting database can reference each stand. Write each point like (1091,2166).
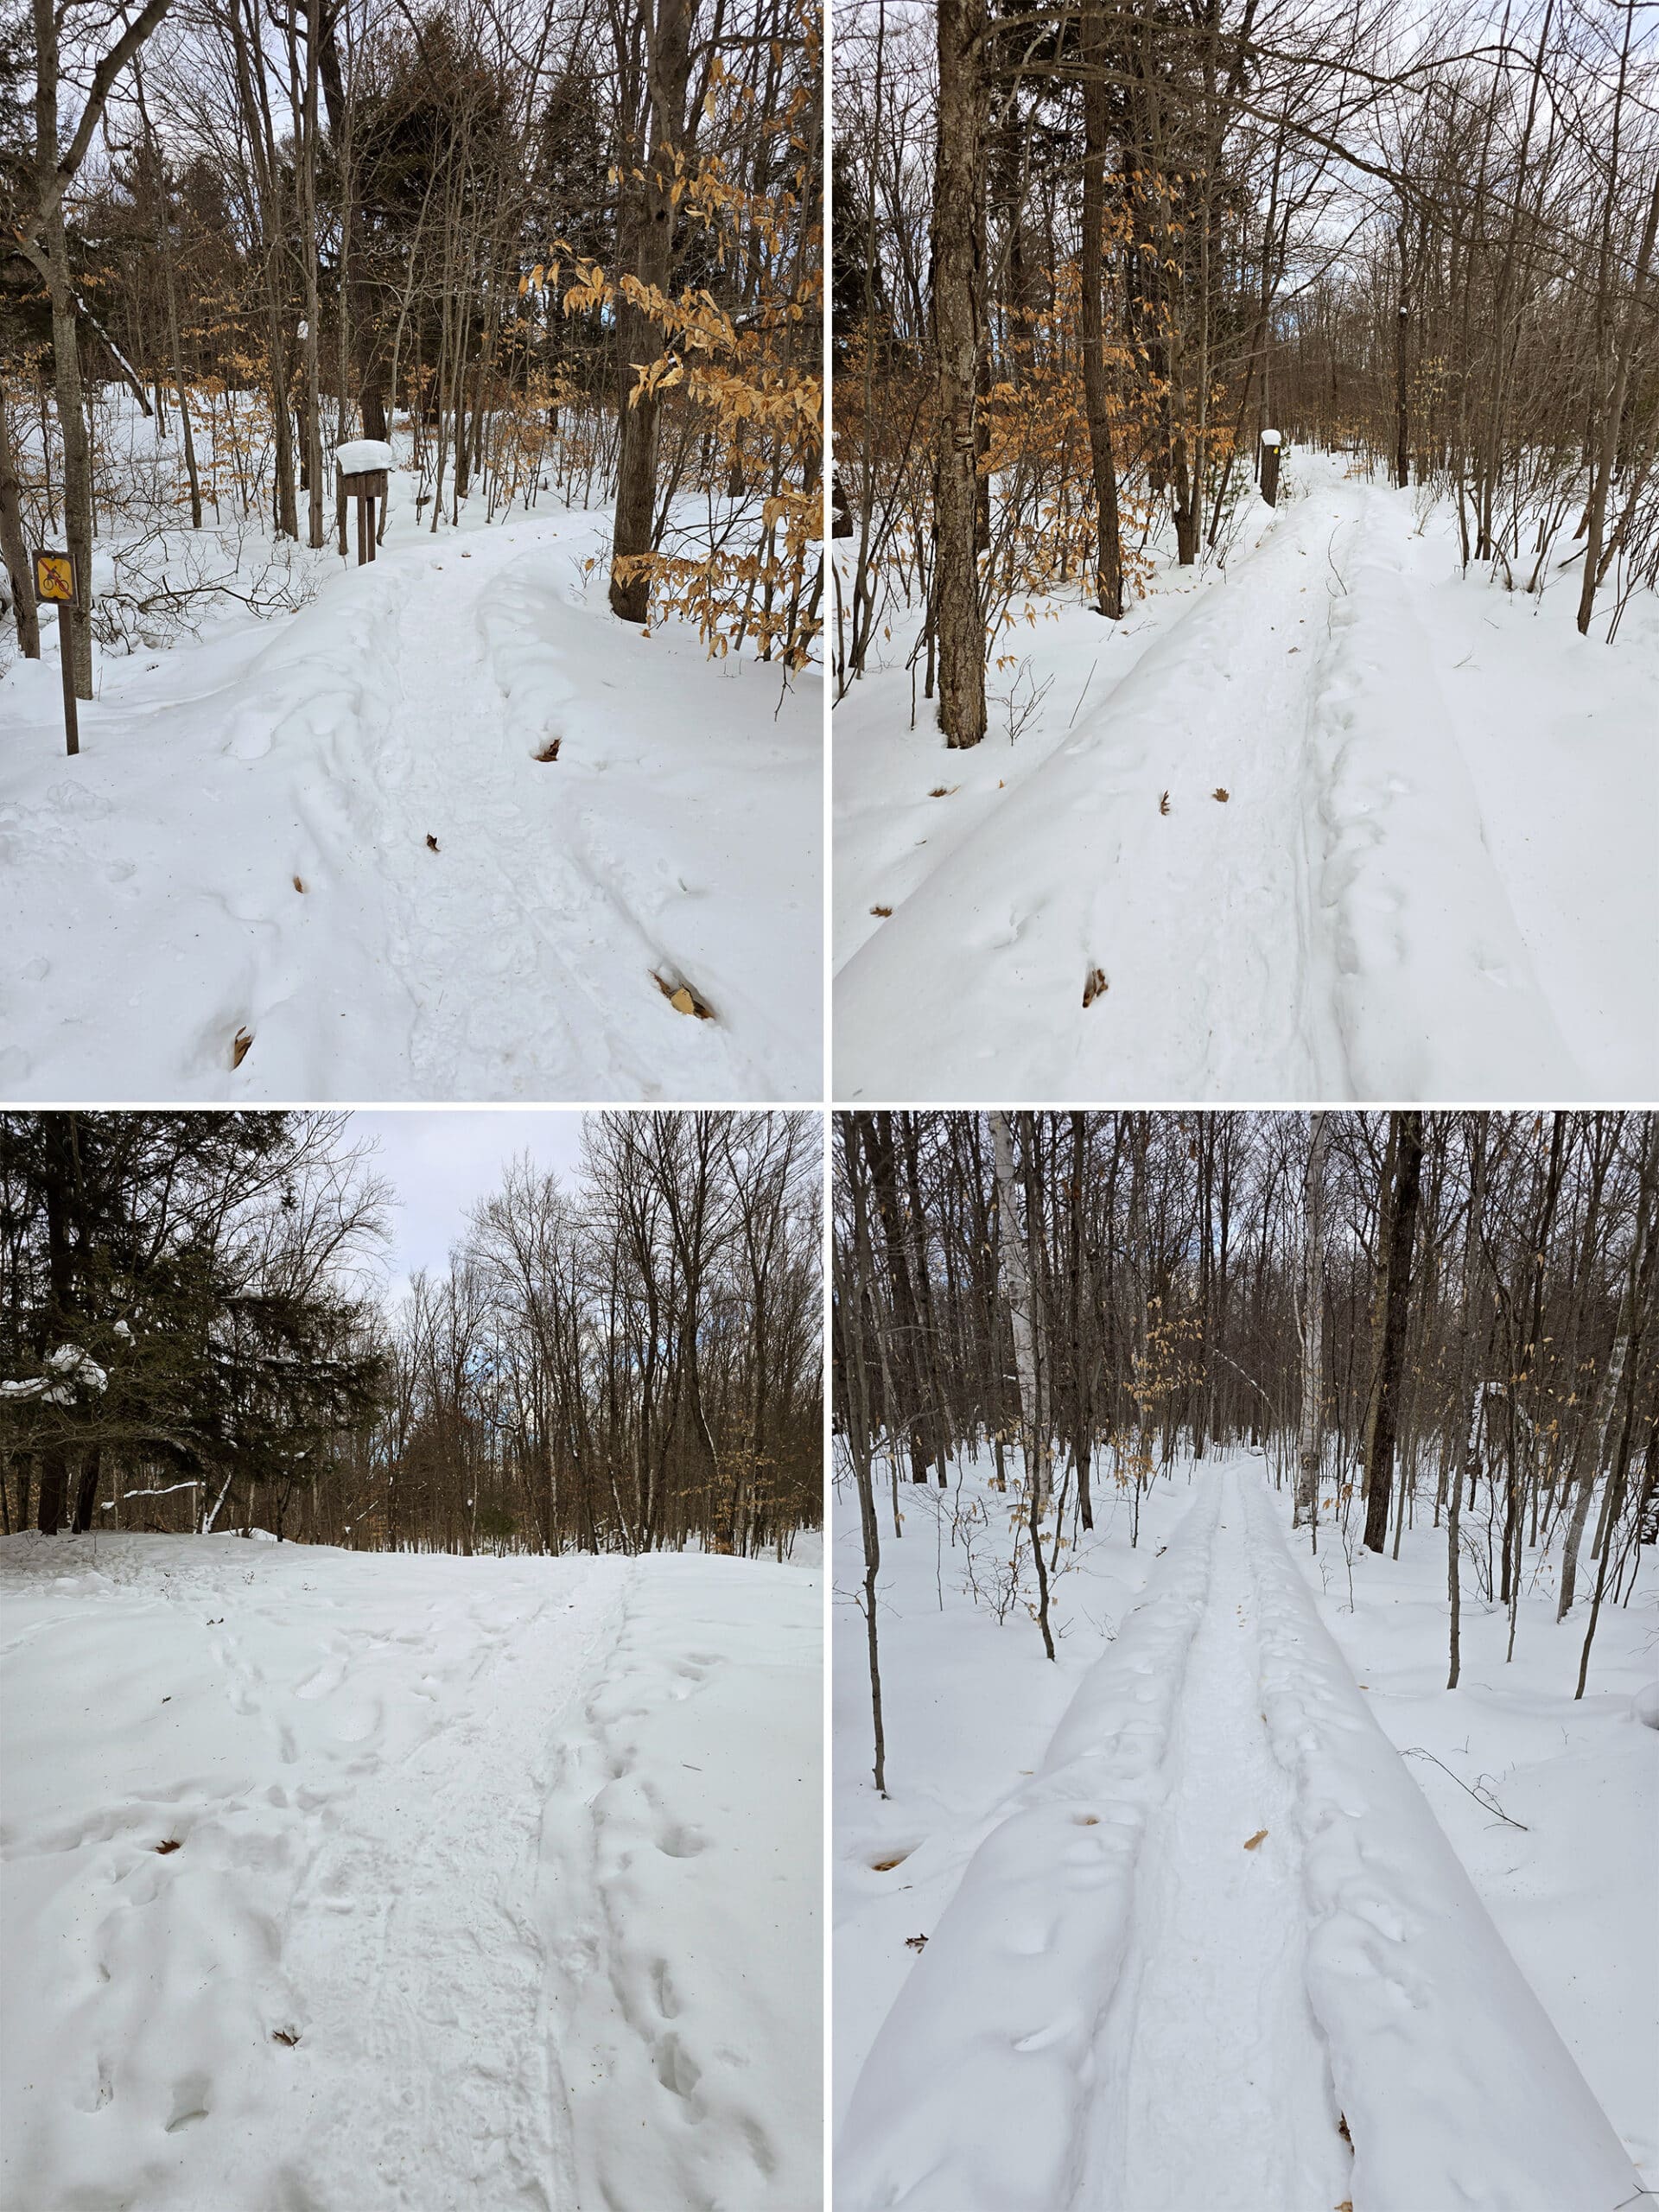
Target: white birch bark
(1310,1435)
(1016,1286)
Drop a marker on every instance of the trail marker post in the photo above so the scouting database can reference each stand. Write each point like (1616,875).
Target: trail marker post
(360,471)
(1270,443)
(57,583)
(365,486)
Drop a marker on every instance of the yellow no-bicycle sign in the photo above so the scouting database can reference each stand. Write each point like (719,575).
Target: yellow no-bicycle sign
(54,577)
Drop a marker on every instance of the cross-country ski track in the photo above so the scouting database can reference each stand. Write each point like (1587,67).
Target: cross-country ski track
(1219,1927)
(1321,832)
(343,1882)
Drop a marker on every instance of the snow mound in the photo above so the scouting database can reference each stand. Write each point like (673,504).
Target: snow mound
(1644,1705)
(358,456)
(1456,2088)
(970,2100)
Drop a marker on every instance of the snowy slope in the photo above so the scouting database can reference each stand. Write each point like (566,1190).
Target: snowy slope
(1217,1917)
(242,846)
(495,1882)
(1403,854)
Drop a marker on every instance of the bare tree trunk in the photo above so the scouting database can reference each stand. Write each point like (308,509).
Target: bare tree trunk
(1612,416)
(1466,1358)
(1083,1420)
(958,193)
(1401,1230)
(308,166)
(1608,1388)
(13,551)
(1016,1288)
(66,352)
(649,254)
(852,1301)
(1109,550)
(1310,1435)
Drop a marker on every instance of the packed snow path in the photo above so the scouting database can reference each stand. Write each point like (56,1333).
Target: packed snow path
(337,837)
(1219,1927)
(346,1883)
(1213,2087)
(1306,862)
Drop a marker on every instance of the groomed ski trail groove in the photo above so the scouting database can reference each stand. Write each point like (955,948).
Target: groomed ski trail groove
(1212,2087)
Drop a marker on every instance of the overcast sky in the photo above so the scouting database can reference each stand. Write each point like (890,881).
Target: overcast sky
(440,1164)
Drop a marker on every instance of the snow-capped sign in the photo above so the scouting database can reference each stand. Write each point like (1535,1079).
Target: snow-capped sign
(1271,438)
(365,467)
(360,456)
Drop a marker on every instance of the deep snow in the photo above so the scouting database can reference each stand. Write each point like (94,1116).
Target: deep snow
(1120,2005)
(496,1882)
(242,848)
(1405,853)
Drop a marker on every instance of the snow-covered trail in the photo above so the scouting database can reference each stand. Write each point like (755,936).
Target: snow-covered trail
(1265,836)
(1212,2086)
(421,1818)
(335,836)
(1219,1925)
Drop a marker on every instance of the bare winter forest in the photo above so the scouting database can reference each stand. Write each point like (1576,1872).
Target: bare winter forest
(1247,465)
(575,251)
(1244,1711)
(520,305)
(1087,254)
(195,1336)
(1441,1318)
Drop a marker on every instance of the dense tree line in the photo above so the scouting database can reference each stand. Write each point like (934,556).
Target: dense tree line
(1450,1318)
(631,1363)
(193,1335)
(1085,253)
(179,1311)
(571,252)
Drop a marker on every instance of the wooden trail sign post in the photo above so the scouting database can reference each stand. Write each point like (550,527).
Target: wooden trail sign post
(57,583)
(1270,443)
(360,473)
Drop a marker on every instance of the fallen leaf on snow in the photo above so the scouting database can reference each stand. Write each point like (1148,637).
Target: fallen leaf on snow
(682,998)
(162,1849)
(1163,804)
(431,843)
(882,911)
(1342,2129)
(550,750)
(1252,1842)
(239,1045)
(1221,792)
(298,886)
(1094,985)
(919,1943)
(281,2035)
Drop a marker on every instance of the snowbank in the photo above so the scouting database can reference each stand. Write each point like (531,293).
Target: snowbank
(972,2096)
(1457,2089)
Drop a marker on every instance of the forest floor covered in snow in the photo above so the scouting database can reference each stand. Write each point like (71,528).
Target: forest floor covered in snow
(342,1882)
(337,835)
(1149,1928)
(1333,821)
